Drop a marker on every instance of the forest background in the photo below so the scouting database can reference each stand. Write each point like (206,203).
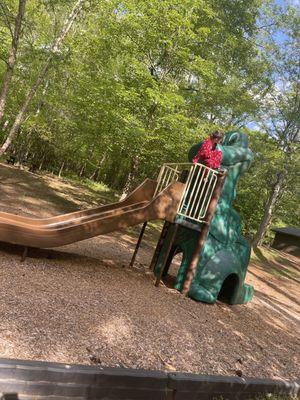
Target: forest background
(108,91)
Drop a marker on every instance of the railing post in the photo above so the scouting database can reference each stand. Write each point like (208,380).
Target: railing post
(160,243)
(203,233)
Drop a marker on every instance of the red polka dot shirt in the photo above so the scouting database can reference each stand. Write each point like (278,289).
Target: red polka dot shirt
(208,155)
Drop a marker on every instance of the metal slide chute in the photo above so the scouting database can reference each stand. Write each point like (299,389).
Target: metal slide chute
(138,207)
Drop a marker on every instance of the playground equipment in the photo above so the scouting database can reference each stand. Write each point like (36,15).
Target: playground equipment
(138,207)
(199,219)
(215,254)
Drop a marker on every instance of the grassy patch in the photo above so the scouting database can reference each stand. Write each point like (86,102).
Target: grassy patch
(97,191)
(274,262)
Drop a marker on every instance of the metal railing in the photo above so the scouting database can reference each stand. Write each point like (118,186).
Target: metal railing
(168,173)
(200,184)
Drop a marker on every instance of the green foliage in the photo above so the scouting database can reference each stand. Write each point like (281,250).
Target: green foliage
(136,84)
(255,186)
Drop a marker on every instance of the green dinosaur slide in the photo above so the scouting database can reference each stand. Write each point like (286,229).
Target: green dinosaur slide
(224,259)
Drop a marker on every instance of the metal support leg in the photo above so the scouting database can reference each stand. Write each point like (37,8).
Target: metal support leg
(166,255)
(24,255)
(138,244)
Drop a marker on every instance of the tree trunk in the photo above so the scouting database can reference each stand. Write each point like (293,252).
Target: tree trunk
(269,209)
(131,177)
(95,174)
(23,158)
(61,169)
(20,156)
(34,164)
(12,57)
(81,171)
(21,115)
(5,125)
(42,162)
(41,102)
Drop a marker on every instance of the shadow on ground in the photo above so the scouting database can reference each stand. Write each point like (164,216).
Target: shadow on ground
(43,196)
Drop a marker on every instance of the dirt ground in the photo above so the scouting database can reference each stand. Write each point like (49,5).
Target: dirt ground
(82,303)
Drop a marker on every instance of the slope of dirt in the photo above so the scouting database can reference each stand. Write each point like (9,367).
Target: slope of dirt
(82,303)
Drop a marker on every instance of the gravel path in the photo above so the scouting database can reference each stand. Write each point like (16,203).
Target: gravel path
(82,304)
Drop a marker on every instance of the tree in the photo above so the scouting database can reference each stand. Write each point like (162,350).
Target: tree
(12,54)
(281,118)
(136,86)
(43,72)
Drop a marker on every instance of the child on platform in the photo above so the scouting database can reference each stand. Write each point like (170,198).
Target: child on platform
(208,153)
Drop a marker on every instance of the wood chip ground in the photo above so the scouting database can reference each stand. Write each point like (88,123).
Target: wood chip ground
(82,303)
